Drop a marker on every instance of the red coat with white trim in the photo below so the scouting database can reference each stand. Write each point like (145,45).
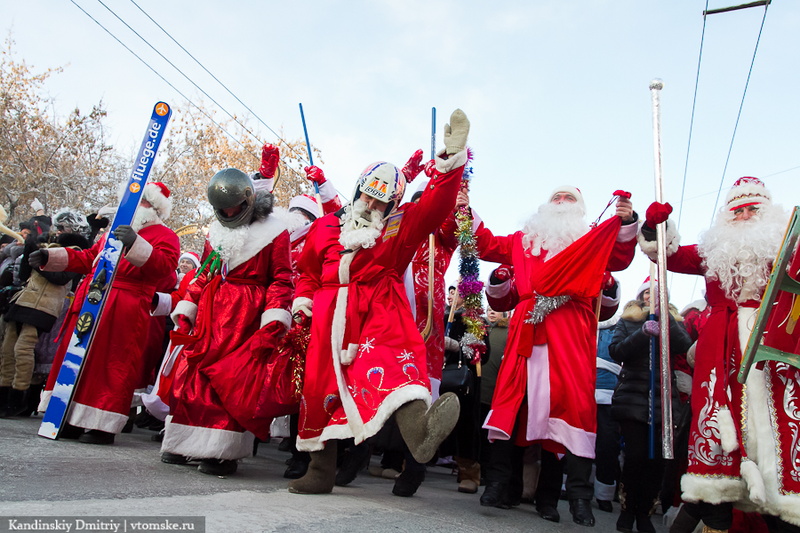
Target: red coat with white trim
(555,360)
(366,357)
(238,316)
(114,362)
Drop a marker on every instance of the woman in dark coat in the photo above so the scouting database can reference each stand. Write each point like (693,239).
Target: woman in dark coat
(641,476)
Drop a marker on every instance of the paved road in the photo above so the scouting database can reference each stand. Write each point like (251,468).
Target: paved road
(41,478)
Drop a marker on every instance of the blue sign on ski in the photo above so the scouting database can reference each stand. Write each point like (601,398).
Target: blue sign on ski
(102,277)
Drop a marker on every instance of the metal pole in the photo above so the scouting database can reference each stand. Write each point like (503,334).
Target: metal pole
(666,369)
(311,162)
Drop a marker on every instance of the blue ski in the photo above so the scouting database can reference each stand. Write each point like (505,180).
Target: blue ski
(102,277)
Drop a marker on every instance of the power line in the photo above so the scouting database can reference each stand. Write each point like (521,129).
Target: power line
(291,149)
(233,117)
(741,106)
(160,76)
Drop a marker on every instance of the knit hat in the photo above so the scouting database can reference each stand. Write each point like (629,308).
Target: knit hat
(306,202)
(574,191)
(158,195)
(643,287)
(191,257)
(747,191)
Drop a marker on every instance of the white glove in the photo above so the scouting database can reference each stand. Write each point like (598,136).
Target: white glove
(456,132)
(36,205)
(451,345)
(301,309)
(683,381)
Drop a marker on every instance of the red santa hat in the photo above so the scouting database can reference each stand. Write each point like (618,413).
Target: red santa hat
(191,257)
(159,197)
(645,286)
(306,202)
(574,191)
(747,191)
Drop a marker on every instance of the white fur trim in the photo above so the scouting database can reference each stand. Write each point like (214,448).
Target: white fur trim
(349,355)
(650,248)
(574,191)
(140,252)
(603,491)
(186,308)
(163,205)
(712,489)
(44,400)
(190,257)
(305,202)
(361,432)
(755,485)
(155,405)
(300,302)
(727,430)
(238,245)
(276,315)
(263,184)
(206,443)
(327,192)
(163,304)
(57,260)
(453,162)
(88,417)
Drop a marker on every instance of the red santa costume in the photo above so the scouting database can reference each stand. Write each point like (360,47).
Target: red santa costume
(238,317)
(114,361)
(445,243)
(551,350)
(743,445)
(366,357)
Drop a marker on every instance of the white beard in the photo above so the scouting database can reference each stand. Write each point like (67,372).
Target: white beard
(554,227)
(361,227)
(739,254)
(145,216)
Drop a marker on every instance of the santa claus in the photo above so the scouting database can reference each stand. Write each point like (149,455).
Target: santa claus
(546,382)
(739,432)
(230,322)
(113,365)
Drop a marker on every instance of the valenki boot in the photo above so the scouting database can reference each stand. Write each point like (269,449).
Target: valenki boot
(424,429)
(321,474)
(469,475)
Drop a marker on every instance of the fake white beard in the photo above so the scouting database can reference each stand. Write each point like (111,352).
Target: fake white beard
(739,253)
(361,227)
(145,216)
(227,241)
(554,227)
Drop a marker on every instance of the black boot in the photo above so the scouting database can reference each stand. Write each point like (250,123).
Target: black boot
(581,510)
(495,495)
(95,436)
(218,467)
(408,482)
(355,460)
(17,403)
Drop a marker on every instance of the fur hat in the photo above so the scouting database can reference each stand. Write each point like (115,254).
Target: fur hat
(307,203)
(574,191)
(159,197)
(747,191)
(191,257)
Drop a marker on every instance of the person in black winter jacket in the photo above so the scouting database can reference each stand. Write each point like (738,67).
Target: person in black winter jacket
(641,476)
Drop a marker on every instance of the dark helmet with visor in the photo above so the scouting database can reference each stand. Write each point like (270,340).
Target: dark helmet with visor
(228,190)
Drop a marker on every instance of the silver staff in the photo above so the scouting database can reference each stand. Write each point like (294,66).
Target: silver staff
(666,369)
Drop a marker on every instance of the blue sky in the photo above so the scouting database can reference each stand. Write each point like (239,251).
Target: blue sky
(557,92)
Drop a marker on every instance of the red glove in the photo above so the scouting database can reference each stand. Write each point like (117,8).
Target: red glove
(413,166)
(622,194)
(270,157)
(315,174)
(657,213)
(266,339)
(608,280)
(502,274)
(184,325)
(430,168)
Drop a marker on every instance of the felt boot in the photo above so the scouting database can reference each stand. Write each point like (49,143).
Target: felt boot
(684,522)
(424,429)
(321,474)
(17,403)
(469,475)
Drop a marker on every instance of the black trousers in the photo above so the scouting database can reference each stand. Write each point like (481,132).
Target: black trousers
(607,446)
(641,477)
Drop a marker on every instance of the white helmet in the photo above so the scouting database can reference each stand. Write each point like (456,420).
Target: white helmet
(382,181)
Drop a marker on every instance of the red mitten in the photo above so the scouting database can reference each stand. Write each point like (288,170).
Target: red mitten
(184,324)
(270,157)
(413,166)
(501,274)
(430,168)
(657,213)
(315,174)
(608,280)
(267,338)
